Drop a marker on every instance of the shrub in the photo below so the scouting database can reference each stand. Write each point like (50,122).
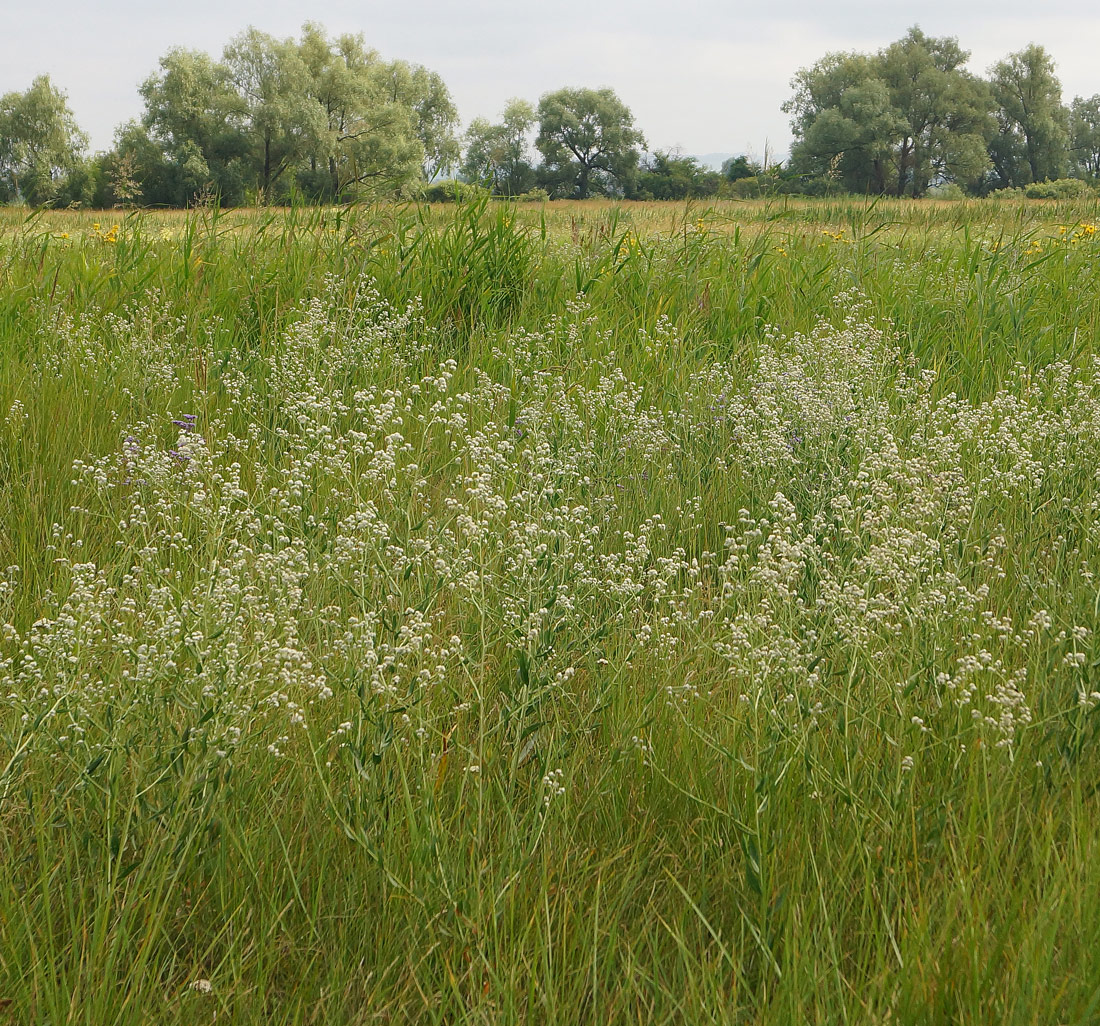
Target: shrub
(1060,188)
(451,190)
(1007,194)
(946,191)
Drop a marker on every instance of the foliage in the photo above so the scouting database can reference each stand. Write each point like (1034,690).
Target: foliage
(1085,135)
(598,613)
(1032,123)
(325,118)
(39,143)
(1059,188)
(588,141)
(737,168)
(187,141)
(669,176)
(497,155)
(946,191)
(370,142)
(278,120)
(435,116)
(894,122)
(452,190)
(944,111)
(328,120)
(535,195)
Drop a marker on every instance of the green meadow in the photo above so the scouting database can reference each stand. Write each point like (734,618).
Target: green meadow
(551,613)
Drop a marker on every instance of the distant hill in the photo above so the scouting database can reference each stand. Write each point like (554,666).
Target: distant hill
(713,160)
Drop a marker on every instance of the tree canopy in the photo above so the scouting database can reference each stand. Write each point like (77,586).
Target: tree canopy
(588,142)
(497,155)
(328,119)
(912,116)
(1032,136)
(666,175)
(39,142)
(895,121)
(1084,128)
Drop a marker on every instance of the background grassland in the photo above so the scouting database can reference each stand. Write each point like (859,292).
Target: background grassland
(726,652)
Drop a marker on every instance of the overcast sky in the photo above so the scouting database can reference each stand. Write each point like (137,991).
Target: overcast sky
(703,75)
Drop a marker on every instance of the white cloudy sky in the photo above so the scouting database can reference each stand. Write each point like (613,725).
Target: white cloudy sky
(703,75)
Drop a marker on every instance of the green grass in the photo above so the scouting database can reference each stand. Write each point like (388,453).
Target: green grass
(557,614)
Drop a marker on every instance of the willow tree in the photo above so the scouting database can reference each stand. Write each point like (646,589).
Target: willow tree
(1032,140)
(369,142)
(187,141)
(1085,135)
(588,136)
(327,117)
(40,143)
(271,105)
(844,123)
(497,154)
(896,121)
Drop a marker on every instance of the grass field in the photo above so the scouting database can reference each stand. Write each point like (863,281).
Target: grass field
(565,614)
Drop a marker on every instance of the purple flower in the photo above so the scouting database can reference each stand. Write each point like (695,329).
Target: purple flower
(186,422)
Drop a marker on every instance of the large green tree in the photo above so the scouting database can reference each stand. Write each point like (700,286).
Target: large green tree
(435,116)
(497,154)
(327,117)
(1032,139)
(844,124)
(40,143)
(1085,135)
(188,140)
(272,106)
(892,122)
(944,112)
(587,137)
(370,142)
(189,99)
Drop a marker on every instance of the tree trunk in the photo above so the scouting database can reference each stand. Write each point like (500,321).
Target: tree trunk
(903,167)
(582,182)
(1033,158)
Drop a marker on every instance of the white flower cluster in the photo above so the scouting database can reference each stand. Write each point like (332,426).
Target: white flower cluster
(352,529)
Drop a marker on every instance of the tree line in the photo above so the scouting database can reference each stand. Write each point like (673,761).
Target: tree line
(911,118)
(322,119)
(315,117)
